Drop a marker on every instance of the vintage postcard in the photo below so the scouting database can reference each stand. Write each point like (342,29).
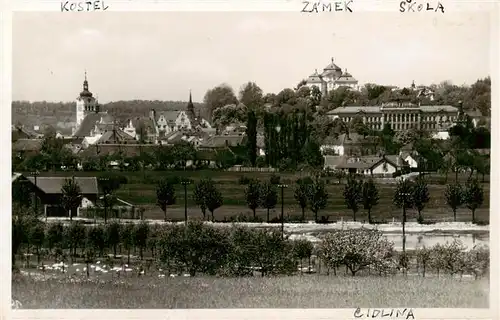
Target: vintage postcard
(329,158)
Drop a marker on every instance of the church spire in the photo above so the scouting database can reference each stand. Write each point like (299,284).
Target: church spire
(85,82)
(190,106)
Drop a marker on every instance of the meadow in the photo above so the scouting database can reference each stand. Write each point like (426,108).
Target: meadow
(140,190)
(307,291)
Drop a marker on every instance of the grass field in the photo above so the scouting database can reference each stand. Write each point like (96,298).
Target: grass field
(140,190)
(309,291)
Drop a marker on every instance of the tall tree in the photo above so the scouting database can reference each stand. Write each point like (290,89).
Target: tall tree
(251,135)
(300,194)
(473,197)
(165,195)
(217,97)
(370,197)
(317,196)
(112,235)
(200,192)
(71,196)
(251,95)
(420,196)
(454,198)
(252,195)
(214,199)
(268,196)
(353,195)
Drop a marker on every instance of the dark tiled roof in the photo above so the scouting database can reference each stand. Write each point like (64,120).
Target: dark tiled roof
(27,145)
(115,136)
(223,141)
(53,185)
(127,150)
(367,162)
(90,121)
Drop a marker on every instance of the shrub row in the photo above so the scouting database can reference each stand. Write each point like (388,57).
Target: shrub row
(238,251)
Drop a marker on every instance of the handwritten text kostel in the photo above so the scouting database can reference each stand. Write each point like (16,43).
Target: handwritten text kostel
(96,5)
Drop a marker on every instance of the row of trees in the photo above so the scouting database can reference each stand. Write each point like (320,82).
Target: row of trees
(234,251)
(311,193)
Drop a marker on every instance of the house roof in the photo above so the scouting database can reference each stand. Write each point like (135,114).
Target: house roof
(333,161)
(354,109)
(350,139)
(53,185)
(90,121)
(127,150)
(115,136)
(438,108)
(170,115)
(27,145)
(474,113)
(223,141)
(367,162)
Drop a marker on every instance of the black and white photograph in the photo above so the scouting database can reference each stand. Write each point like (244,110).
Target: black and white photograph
(233,160)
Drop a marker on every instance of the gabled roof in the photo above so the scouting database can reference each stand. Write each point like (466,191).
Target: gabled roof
(53,185)
(90,121)
(27,145)
(115,136)
(170,116)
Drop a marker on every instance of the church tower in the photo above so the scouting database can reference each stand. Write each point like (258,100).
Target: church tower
(85,103)
(190,106)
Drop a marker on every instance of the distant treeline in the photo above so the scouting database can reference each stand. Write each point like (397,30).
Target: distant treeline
(57,114)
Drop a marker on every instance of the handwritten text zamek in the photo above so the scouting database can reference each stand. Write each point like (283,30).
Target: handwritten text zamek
(316,7)
(96,5)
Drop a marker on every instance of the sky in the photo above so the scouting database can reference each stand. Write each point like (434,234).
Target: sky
(163,55)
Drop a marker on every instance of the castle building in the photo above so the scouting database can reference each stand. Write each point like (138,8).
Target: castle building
(400,116)
(332,78)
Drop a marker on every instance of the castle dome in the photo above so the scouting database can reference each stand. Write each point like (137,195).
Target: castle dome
(332,66)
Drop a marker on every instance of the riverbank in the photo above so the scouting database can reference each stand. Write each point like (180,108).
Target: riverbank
(395,227)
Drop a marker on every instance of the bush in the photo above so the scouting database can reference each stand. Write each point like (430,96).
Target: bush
(274,179)
(244,180)
(306,180)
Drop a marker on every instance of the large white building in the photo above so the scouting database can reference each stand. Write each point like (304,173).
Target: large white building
(332,78)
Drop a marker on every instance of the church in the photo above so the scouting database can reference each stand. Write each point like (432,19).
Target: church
(91,123)
(331,78)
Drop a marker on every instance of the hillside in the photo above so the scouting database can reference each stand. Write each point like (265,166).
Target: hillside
(61,115)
